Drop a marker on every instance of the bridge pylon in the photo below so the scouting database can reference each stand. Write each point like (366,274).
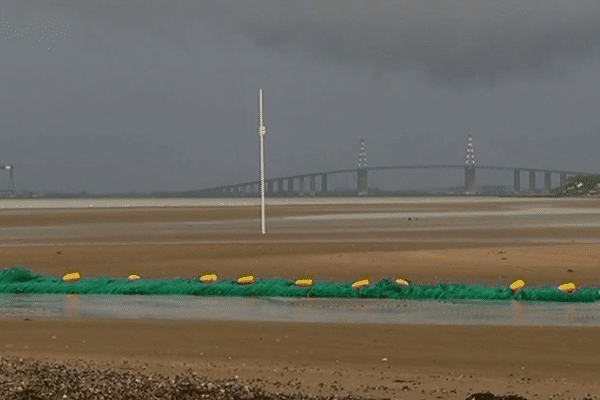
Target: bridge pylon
(470,187)
(363,180)
(11,190)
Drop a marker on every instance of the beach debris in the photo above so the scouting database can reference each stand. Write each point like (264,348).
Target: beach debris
(517,285)
(568,287)
(71,276)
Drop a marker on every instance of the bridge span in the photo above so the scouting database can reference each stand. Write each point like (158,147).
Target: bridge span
(295,184)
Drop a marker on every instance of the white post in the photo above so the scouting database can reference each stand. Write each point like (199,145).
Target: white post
(261,132)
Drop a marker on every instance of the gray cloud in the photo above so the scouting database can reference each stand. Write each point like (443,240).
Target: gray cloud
(456,41)
(450,41)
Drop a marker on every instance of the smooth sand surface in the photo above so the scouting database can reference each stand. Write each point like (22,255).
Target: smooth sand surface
(387,361)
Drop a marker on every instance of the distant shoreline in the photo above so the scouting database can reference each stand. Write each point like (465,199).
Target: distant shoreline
(110,202)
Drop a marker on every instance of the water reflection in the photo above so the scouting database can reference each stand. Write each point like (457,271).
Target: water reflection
(31,305)
(376,311)
(516,312)
(72,304)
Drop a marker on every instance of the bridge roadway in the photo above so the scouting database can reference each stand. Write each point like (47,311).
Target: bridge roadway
(286,185)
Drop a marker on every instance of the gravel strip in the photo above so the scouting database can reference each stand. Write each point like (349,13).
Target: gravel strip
(32,380)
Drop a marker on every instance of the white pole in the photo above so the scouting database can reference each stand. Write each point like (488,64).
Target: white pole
(261,132)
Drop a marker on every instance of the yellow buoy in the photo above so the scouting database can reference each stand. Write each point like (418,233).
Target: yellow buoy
(134,275)
(400,280)
(360,283)
(209,278)
(569,287)
(71,276)
(304,281)
(246,280)
(517,285)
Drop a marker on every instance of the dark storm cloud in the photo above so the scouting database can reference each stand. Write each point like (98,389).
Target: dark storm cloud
(450,41)
(458,40)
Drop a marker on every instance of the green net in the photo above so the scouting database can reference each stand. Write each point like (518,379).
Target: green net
(20,280)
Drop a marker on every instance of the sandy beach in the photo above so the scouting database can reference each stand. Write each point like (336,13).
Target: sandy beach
(547,242)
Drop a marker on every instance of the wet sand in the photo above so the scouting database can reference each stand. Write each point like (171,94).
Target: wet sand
(409,362)
(372,360)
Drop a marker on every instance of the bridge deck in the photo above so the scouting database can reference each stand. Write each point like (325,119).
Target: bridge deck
(342,171)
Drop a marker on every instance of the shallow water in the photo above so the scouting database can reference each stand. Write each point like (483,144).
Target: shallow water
(254,201)
(363,311)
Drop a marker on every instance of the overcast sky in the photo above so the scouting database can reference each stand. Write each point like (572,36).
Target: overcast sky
(140,96)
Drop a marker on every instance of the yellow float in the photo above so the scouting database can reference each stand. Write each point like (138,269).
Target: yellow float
(361,282)
(304,281)
(517,285)
(400,280)
(133,275)
(568,287)
(209,277)
(247,279)
(71,276)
